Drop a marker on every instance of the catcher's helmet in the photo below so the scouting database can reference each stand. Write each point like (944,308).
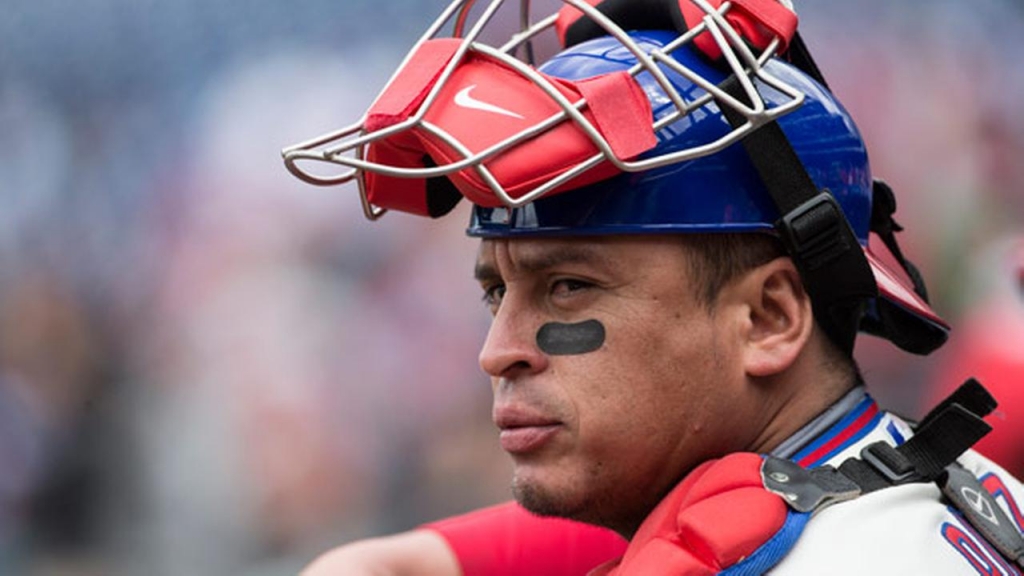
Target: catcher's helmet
(635,133)
(717,192)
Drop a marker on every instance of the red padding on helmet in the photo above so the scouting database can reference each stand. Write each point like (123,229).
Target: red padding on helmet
(402,194)
(404,95)
(768,19)
(615,118)
(567,16)
(485,102)
(397,103)
(757,22)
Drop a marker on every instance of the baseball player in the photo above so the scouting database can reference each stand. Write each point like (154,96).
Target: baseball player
(674,214)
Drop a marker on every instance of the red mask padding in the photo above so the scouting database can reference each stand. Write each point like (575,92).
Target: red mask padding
(756,21)
(484,102)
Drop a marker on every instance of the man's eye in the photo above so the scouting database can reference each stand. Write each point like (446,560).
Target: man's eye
(567,286)
(493,295)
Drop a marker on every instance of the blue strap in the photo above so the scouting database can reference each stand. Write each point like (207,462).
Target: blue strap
(774,550)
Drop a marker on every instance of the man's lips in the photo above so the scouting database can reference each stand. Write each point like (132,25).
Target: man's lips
(522,430)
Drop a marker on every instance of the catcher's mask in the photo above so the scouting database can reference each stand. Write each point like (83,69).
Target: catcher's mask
(626,132)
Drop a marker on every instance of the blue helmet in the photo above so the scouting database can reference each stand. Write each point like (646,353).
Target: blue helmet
(719,192)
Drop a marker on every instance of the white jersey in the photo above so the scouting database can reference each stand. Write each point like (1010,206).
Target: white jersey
(908,529)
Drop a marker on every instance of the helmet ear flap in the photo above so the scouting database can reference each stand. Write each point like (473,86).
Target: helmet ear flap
(903,328)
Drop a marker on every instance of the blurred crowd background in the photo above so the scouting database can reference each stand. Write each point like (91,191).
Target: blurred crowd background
(207,367)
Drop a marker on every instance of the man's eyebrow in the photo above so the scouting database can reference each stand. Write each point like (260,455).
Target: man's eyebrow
(485,271)
(545,259)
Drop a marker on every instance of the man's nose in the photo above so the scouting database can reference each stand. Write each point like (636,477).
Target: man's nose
(511,346)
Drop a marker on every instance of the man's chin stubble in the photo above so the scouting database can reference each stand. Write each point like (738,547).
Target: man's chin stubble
(543,502)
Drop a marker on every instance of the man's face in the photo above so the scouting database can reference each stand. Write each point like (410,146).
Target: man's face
(611,379)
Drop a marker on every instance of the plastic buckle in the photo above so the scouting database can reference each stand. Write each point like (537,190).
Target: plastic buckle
(889,462)
(816,232)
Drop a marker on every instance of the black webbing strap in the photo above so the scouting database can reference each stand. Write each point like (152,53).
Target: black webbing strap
(944,434)
(799,56)
(888,321)
(923,458)
(971,395)
(813,228)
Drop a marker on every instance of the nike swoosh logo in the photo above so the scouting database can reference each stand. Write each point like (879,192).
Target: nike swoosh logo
(466,101)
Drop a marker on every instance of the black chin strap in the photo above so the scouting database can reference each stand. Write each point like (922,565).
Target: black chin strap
(798,55)
(837,308)
(889,321)
(813,229)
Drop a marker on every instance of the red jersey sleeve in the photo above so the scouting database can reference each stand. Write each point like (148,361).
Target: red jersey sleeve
(506,540)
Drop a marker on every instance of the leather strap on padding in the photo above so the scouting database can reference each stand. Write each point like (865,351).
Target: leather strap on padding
(970,497)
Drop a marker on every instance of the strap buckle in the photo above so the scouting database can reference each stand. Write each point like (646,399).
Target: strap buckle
(816,231)
(889,462)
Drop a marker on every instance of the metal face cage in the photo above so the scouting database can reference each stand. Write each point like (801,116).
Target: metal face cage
(348,147)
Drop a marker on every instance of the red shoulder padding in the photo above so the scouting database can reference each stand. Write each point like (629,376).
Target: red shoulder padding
(484,103)
(717,516)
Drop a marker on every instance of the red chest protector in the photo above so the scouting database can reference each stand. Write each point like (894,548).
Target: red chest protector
(719,520)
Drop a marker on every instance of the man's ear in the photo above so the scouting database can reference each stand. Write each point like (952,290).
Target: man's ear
(778,321)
